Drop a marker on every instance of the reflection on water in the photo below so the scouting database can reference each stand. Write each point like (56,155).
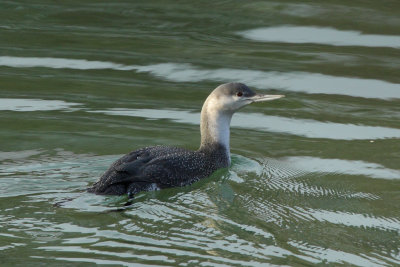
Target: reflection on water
(314,177)
(191,222)
(14,104)
(22,172)
(354,220)
(59,63)
(338,256)
(311,83)
(308,128)
(320,35)
(339,166)
(283,175)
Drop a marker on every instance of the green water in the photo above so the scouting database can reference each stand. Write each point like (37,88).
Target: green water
(315,177)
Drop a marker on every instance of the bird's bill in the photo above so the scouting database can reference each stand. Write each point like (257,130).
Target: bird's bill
(262,98)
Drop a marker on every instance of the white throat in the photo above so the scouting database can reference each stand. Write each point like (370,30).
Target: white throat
(215,124)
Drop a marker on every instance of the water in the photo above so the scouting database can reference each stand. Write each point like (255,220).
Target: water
(315,177)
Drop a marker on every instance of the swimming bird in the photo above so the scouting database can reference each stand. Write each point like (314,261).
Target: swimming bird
(158,167)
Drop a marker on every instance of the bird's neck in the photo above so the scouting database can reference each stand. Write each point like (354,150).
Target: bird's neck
(214,127)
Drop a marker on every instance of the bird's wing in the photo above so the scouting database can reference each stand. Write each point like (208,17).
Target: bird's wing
(160,165)
(165,169)
(176,169)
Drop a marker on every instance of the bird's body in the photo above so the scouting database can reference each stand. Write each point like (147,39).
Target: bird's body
(158,167)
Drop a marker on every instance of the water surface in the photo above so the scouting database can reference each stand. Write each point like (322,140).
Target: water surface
(315,177)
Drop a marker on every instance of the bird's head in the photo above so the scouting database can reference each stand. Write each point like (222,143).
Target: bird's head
(233,96)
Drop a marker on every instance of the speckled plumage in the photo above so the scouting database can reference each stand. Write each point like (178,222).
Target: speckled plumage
(158,167)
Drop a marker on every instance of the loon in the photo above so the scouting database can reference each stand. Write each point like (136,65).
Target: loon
(158,167)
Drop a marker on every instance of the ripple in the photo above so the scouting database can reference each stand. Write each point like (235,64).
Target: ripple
(193,241)
(11,246)
(340,166)
(353,219)
(95,261)
(191,224)
(320,35)
(102,252)
(331,255)
(20,104)
(301,127)
(284,174)
(311,83)
(51,172)
(18,155)
(60,63)
(276,212)
(280,177)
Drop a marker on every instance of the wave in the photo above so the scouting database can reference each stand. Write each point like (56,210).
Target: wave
(320,35)
(22,104)
(301,127)
(310,83)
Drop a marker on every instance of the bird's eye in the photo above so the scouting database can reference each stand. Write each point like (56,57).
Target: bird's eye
(239,94)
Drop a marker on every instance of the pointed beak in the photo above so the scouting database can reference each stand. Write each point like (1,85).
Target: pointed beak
(262,98)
